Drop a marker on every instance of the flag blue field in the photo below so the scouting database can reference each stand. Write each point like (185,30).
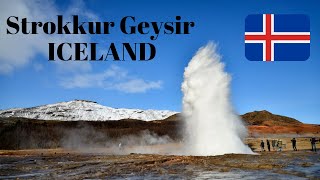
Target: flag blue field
(277,37)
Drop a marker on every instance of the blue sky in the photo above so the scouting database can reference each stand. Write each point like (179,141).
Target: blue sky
(286,88)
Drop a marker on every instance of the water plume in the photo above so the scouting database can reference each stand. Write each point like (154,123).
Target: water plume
(212,126)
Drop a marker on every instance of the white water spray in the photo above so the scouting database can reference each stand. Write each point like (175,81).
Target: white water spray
(212,127)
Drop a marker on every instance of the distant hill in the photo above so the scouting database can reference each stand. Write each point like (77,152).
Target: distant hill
(265,123)
(78,110)
(24,133)
(258,118)
(266,118)
(48,126)
(83,110)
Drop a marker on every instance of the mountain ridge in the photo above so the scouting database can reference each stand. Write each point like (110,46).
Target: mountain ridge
(77,110)
(84,110)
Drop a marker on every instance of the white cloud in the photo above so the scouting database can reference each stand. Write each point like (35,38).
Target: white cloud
(137,86)
(18,50)
(114,78)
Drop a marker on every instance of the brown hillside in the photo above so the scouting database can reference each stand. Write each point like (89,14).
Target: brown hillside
(22,133)
(264,122)
(260,118)
(265,118)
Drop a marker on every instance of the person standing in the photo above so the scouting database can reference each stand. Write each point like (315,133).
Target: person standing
(262,146)
(273,144)
(294,144)
(268,145)
(313,144)
(279,145)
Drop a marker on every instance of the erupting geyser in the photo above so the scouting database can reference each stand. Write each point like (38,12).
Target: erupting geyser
(212,127)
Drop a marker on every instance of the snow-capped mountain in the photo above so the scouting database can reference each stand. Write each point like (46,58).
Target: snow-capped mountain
(84,110)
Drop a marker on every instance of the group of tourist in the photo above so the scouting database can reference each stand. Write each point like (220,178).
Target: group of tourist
(278,145)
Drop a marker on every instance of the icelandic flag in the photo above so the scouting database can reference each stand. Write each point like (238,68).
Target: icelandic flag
(277,37)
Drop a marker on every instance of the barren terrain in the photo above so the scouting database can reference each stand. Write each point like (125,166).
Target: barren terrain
(37,149)
(71,164)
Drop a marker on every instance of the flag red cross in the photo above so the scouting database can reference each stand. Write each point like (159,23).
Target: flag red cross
(268,37)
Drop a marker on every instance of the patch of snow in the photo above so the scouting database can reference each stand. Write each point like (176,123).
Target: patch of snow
(84,110)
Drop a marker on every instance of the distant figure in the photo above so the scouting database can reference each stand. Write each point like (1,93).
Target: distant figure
(279,145)
(313,144)
(268,145)
(274,142)
(120,146)
(294,144)
(262,145)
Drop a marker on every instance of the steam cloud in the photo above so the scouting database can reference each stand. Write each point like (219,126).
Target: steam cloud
(212,127)
(87,140)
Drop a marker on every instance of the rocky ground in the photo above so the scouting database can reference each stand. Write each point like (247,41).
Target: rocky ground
(70,164)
